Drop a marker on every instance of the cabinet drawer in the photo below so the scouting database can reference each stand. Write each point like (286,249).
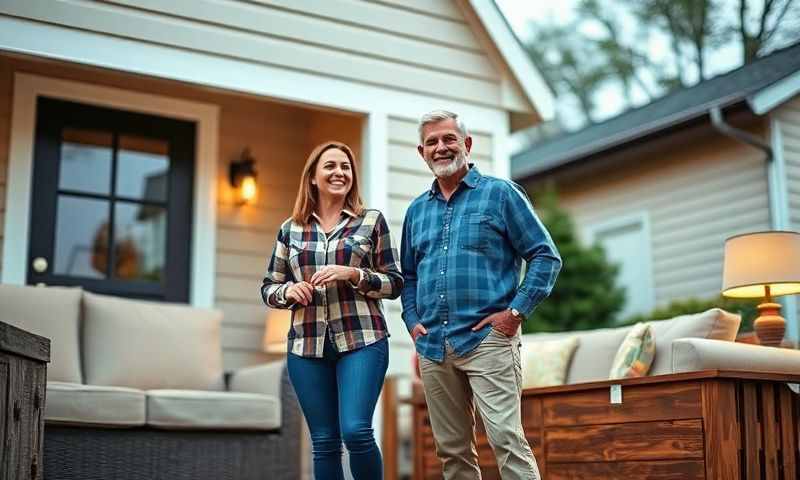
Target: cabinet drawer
(676,440)
(667,470)
(640,403)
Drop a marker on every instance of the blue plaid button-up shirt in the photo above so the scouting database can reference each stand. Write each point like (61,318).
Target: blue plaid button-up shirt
(461,261)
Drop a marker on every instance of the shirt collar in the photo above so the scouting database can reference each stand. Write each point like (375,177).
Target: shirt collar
(344,211)
(471,180)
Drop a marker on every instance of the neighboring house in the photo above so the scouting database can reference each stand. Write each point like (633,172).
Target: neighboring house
(663,185)
(129,91)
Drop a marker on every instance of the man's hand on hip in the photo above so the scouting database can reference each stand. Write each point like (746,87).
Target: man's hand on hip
(504,322)
(418,330)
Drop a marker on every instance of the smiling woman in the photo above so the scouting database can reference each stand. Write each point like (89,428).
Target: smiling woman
(332,264)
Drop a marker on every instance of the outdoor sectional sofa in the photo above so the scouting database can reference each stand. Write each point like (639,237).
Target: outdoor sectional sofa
(136,390)
(710,408)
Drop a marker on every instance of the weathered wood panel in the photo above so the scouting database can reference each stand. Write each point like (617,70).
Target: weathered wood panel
(672,470)
(676,440)
(644,403)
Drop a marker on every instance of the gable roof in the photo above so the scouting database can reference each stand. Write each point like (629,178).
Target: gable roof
(520,64)
(762,85)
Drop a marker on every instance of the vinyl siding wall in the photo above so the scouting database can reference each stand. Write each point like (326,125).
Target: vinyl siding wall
(280,138)
(418,46)
(695,197)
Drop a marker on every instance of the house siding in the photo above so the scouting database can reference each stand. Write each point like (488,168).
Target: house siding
(279,137)
(788,116)
(399,45)
(694,197)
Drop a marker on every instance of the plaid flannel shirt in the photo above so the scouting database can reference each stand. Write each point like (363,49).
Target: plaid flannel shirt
(461,261)
(352,315)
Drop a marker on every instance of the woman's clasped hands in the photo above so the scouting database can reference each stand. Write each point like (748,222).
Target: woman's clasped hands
(303,292)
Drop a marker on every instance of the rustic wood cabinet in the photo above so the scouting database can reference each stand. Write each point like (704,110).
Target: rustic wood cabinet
(23,377)
(701,425)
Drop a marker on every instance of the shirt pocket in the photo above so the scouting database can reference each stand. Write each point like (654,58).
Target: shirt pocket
(474,232)
(298,258)
(357,250)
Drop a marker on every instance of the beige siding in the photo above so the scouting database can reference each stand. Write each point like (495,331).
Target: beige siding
(279,137)
(789,117)
(694,197)
(398,45)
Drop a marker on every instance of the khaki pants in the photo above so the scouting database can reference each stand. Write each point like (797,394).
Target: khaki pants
(492,375)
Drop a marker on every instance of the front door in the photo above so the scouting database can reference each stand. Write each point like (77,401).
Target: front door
(112,201)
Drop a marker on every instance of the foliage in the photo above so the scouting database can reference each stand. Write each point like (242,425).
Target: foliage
(585,295)
(601,48)
(746,308)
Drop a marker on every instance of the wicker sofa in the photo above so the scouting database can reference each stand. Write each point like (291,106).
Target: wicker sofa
(136,390)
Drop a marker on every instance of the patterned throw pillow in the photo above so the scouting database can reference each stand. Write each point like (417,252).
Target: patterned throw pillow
(635,355)
(545,363)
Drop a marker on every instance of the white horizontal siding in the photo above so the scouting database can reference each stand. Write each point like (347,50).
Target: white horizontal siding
(695,198)
(788,116)
(372,43)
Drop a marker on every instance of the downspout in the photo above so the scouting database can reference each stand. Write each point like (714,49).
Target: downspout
(777,190)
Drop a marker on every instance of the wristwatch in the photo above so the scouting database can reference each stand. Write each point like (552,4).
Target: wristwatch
(516,313)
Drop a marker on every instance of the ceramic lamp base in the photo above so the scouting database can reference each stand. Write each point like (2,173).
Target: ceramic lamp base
(770,325)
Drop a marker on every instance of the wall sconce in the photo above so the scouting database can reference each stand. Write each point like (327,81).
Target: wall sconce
(242,176)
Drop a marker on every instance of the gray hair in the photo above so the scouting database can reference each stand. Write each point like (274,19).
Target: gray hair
(436,116)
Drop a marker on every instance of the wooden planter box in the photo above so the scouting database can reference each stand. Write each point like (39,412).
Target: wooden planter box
(701,425)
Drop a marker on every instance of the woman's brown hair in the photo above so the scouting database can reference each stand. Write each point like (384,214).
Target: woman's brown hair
(307,195)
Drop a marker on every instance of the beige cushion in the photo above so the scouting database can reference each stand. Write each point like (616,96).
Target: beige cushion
(188,409)
(635,355)
(54,313)
(73,403)
(714,324)
(149,345)
(545,362)
(695,354)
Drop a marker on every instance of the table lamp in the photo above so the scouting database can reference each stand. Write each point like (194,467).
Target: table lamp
(276,329)
(763,265)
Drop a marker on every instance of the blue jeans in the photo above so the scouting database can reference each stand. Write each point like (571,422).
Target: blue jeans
(338,394)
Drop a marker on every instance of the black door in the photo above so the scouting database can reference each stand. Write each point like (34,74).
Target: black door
(112,201)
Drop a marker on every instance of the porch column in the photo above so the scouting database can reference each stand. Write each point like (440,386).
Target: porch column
(375,164)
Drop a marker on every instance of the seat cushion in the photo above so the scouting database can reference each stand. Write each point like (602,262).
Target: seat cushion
(713,324)
(73,403)
(54,313)
(149,345)
(194,409)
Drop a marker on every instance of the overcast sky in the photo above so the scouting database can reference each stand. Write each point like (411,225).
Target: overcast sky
(520,14)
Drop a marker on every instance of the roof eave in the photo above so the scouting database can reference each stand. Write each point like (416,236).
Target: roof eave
(529,78)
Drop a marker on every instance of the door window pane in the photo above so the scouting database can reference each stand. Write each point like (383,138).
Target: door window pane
(81,244)
(140,241)
(143,167)
(85,161)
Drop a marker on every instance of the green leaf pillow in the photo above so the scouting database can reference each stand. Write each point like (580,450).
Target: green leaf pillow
(635,354)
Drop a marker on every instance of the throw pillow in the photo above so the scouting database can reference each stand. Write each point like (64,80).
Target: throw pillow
(635,355)
(545,363)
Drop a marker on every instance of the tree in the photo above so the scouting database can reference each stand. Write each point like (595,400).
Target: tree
(594,51)
(586,295)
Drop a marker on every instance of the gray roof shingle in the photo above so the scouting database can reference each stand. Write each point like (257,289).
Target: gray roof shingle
(673,109)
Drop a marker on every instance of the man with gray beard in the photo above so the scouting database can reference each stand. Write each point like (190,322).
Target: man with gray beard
(462,248)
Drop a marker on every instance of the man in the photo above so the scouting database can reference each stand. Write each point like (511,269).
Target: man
(463,243)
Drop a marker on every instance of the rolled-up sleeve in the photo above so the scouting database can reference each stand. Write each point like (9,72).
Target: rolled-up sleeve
(384,280)
(277,278)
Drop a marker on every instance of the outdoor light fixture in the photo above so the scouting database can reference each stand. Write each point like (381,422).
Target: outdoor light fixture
(242,176)
(763,265)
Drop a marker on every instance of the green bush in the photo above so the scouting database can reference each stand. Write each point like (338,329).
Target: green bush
(745,308)
(586,295)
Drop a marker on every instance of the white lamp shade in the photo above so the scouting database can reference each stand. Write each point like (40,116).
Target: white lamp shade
(756,260)
(276,329)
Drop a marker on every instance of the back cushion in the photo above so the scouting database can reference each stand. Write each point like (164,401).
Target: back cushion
(52,312)
(714,324)
(150,345)
(595,353)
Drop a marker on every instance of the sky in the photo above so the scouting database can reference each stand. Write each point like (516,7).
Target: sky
(520,14)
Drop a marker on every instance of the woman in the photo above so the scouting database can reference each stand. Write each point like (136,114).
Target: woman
(332,263)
